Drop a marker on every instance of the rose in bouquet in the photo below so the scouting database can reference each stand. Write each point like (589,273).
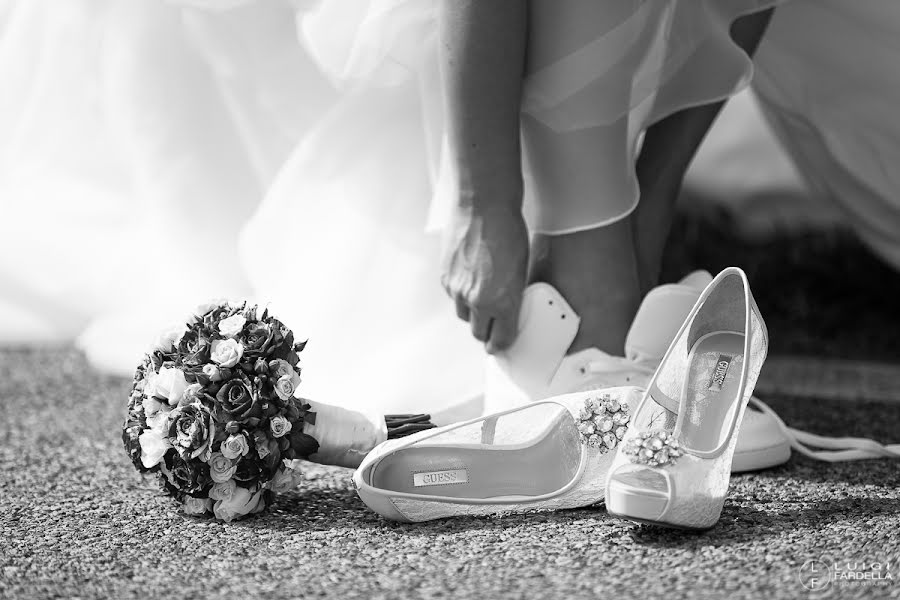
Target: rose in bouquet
(214,413)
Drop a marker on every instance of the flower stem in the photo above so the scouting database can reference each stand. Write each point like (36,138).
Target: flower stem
(402,425)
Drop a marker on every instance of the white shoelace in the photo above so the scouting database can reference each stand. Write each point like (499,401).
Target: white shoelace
(818,447)
(619,365)
(832,449)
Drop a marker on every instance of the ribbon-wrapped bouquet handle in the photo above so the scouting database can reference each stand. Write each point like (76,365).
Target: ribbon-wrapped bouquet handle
(214,412)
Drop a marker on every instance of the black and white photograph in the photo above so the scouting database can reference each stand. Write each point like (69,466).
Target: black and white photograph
(479,299)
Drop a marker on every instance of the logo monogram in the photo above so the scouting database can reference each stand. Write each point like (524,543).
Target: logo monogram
(441,477)
(718,376)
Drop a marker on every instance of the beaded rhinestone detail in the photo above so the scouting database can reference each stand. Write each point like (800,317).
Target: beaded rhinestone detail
(653,448)
(603,422)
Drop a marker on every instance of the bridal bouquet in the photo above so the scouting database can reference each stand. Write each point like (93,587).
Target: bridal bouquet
(214,413)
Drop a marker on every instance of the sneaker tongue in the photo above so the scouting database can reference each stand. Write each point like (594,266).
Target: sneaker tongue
(697,280)
(661,314)
(658,320)
(547,326)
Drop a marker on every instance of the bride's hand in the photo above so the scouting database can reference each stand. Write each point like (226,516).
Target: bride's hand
(482,48)
(484,269)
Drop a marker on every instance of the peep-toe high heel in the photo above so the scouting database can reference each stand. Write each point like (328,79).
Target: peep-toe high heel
(673,468)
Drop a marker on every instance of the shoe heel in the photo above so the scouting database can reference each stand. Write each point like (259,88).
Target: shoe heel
(635,504)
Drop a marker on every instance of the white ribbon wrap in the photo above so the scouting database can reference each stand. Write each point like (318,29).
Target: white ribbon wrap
(345,436)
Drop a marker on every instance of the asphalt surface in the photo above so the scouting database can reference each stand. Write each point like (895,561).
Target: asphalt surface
(77,521)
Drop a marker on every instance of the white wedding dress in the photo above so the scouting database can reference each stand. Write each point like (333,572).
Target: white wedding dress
(158,153)
(161,153)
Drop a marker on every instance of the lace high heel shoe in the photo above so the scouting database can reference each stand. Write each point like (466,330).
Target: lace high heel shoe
(674,468)
(536,366)
(548,455)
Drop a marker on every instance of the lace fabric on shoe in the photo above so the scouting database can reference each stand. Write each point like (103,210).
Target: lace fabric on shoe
(679,408)
(724,310)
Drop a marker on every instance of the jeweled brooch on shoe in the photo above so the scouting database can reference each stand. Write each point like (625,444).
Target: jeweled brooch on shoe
(603,422)
(653,448)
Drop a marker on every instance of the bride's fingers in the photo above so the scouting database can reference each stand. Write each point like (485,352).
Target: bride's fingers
(481,325)
(462,309)
(503,333)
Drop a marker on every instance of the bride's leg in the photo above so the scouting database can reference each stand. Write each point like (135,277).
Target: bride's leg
(594,268)
(669,146)
(596,271)
(582,185)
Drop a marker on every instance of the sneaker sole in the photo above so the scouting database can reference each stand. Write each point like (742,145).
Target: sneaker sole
(762,458)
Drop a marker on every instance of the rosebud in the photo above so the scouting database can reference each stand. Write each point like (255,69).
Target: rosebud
(233,427)
(280,367)
(261,442)
(235,447)
(260,366)
(279,426)
(191,394)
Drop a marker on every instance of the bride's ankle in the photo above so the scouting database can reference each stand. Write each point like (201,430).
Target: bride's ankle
(596,272)
(605,311)
(604,325)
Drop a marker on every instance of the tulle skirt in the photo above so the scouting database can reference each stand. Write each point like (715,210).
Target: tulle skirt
(162,152)
(828,81)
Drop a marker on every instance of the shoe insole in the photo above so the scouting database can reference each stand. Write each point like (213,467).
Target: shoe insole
(711,388)
(473,471)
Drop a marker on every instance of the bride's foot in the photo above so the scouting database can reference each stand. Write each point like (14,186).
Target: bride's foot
(596,271)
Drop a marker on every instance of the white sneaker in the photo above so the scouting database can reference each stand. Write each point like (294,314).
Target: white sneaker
(536,365)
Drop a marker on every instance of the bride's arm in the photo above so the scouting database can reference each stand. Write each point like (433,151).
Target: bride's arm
(482,56)
(482,52)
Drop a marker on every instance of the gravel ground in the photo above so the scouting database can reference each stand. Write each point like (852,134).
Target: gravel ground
(79,522)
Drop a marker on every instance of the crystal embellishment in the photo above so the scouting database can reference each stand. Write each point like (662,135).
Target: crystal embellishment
(602,422)
(653,448)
